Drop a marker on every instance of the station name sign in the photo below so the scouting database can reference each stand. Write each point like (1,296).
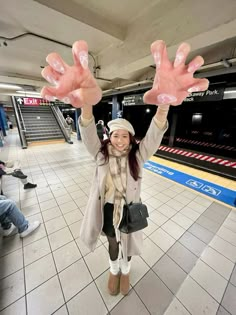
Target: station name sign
(206,96)
(136,99)
(211,94)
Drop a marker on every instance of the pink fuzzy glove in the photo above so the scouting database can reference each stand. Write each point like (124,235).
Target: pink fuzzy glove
(173,82)
(76,85)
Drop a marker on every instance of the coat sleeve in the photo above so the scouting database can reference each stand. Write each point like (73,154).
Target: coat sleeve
(89,137)
(151,142)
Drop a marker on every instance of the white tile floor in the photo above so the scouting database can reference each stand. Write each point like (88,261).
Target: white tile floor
(187,265)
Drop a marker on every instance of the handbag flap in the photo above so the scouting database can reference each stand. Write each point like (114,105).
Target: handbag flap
(137,212)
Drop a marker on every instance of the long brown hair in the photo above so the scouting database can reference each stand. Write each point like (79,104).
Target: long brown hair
(133,163)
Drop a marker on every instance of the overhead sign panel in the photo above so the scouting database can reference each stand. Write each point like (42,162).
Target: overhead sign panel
(31,101)
(136,99)
(206,96)
(212,94)
(36,101)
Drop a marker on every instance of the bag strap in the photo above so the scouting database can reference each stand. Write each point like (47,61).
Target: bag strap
(124,199)
(131,202)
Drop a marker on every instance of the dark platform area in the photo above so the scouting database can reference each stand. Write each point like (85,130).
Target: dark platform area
(217,169)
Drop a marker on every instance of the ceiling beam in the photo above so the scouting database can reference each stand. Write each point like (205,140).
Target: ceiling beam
(21,81)
(200,41)
(78,12)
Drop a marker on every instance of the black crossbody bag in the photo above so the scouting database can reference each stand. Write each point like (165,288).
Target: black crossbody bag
(134,217)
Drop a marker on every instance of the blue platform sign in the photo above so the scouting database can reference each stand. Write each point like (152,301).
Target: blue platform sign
(211,190)
(220,193)
(193,183)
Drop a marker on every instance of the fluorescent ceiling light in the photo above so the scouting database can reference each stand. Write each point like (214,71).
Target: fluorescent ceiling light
(27,95)
(229,92)
(28,92)
(9,86)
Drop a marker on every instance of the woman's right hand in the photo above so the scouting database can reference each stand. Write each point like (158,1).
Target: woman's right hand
(74,84)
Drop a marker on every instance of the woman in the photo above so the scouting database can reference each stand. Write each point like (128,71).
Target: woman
(119,159)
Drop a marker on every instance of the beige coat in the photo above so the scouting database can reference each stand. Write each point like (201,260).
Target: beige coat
(92,224)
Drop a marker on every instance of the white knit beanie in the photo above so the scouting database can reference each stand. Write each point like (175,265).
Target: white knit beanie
(120,123)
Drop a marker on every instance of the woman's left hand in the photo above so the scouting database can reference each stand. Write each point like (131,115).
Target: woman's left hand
(173,82)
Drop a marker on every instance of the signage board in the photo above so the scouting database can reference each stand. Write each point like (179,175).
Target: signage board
(136,99)
(31,101)
(211,94)
(213,190)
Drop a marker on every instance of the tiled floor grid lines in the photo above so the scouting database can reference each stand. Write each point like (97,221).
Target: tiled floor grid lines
(188,260)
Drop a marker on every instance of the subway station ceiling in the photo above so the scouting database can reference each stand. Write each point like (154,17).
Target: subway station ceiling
(119,34)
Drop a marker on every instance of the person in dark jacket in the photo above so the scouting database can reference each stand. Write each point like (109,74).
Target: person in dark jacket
(102,131)
(70,122)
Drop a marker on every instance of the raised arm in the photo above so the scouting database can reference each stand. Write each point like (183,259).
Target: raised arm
(88,130)
(75,85)
(173,82)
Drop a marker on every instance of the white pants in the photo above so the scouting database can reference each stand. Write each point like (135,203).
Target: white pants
(10,166)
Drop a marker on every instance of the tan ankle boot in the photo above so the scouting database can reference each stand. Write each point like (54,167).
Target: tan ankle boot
(113,283)
(124,284)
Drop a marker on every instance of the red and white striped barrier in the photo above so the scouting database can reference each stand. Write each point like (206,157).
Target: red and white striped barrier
(198,156)
(206,144)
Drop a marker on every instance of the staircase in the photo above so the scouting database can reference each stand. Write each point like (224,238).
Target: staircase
(40,124)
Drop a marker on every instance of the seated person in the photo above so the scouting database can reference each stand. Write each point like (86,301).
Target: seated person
(13,169)
(12,220)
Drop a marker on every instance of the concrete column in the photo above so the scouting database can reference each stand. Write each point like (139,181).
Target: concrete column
(173,129)
(115,107)
(3,121)
(77,114)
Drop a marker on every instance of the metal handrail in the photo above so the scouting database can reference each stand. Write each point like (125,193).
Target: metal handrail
(61,118)
(21,117)
(19,112)
(19,122)
(64,126)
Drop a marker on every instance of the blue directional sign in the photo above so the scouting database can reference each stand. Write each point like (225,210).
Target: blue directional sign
(211,190)
(194,183)
(220,193)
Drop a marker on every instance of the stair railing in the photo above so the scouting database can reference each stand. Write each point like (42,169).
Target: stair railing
(62,123)
(20,123)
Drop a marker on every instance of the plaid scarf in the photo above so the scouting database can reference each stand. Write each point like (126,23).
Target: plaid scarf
(118,168)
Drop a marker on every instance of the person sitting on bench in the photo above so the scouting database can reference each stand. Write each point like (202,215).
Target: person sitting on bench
(12,220)
(13,169)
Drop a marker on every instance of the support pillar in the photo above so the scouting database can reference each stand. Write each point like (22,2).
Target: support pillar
(3,121)
(173,129)
(115,107)
(77,114)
